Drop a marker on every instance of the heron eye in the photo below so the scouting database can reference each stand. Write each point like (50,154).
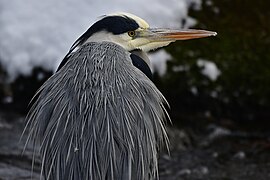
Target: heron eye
(131,33)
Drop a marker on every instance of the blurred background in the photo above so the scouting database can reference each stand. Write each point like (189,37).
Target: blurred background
(218,88)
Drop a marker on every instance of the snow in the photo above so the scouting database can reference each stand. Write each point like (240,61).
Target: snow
(194,90)
(209,69)
(39,33)
(209,2)
(158,60)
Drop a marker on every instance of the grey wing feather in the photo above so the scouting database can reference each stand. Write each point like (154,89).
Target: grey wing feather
(98,118)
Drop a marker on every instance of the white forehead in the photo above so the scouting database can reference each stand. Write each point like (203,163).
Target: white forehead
(142,23)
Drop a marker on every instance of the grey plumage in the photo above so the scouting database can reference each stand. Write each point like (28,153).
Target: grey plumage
(98,118)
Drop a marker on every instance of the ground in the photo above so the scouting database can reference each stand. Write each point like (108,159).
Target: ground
(215,154)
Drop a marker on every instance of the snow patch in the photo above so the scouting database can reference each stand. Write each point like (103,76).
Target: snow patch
(39,33)
(209,69)
(159,61)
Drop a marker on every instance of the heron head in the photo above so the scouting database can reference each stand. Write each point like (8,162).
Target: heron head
(132,32)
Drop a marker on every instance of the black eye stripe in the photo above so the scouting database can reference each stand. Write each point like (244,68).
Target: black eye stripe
(115,25)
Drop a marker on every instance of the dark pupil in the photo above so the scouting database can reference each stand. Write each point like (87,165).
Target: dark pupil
(131,33)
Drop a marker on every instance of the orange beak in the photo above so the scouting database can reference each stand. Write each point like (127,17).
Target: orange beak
(173,35)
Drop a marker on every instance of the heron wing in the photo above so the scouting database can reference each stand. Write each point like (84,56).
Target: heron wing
(98,117)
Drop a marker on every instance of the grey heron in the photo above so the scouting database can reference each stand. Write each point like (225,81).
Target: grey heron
(99,116)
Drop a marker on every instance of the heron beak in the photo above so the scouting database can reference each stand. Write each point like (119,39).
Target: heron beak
(150,39)
(174,35)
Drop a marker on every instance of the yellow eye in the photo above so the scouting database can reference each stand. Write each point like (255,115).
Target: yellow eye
(131,33)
